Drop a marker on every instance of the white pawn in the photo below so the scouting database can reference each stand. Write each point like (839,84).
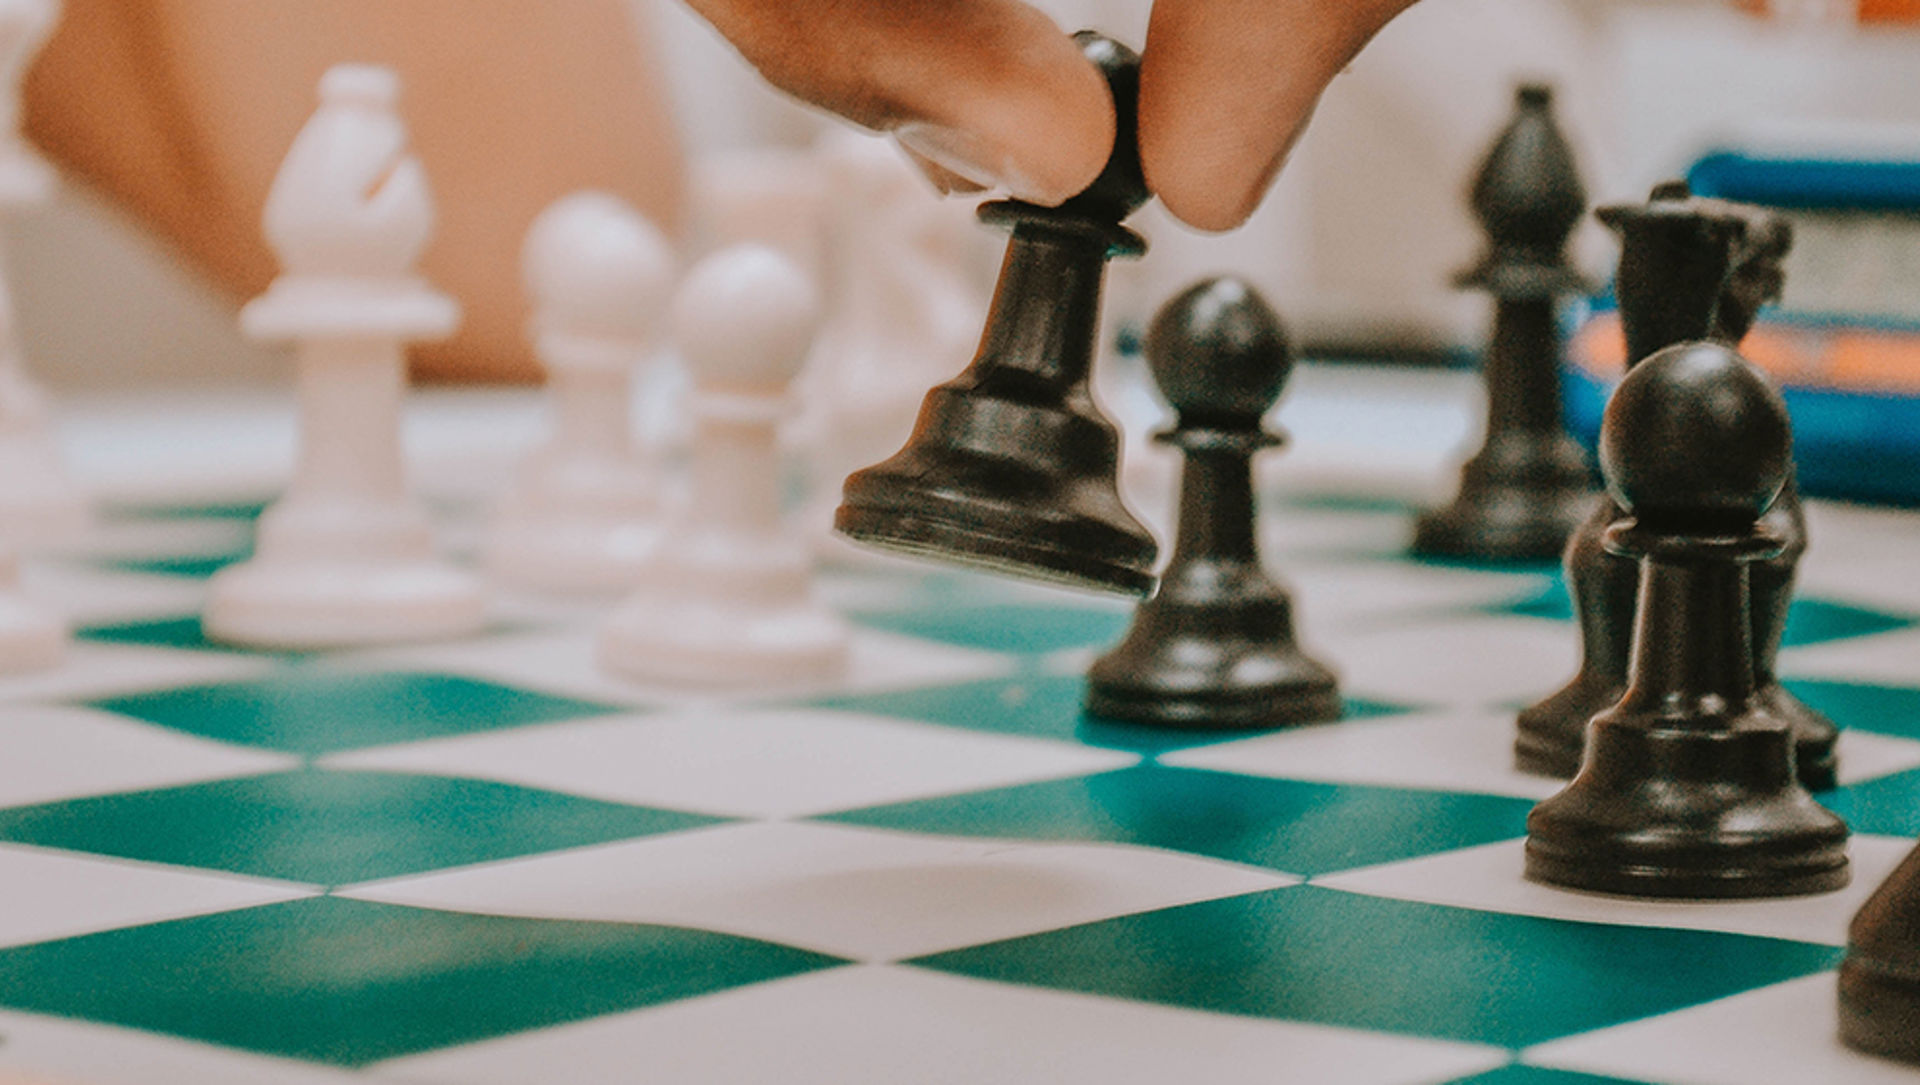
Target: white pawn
(581,515)
(38,501)
(729,596)
(31,638)
(347,555)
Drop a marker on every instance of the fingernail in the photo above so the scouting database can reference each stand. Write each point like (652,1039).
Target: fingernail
(967,156)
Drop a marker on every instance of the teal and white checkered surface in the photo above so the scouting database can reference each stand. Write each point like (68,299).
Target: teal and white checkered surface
(482,863)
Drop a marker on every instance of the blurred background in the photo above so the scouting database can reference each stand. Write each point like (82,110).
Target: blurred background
(1355,245)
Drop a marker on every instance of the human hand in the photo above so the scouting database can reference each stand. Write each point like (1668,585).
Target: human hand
(990,94)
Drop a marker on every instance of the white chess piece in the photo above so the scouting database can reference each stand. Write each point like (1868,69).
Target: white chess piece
(729,596)
(347,555)
(581,515)
(38,501)
(31,638)
(907,295)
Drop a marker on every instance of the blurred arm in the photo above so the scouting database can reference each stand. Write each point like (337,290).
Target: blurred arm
(182,109)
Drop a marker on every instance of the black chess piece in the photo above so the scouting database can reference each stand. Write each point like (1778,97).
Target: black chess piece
(1690,268)
(1688,787)
(1523,493)
(1214,647)
(1880,977)
(1011,465)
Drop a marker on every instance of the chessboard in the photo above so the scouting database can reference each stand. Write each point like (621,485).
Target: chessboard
(483,862)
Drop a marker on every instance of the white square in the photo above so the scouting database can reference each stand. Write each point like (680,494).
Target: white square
(95,669)
(73,894)
(56,1051)
(52,752)
(564,663)
(1488,878)
(1343,593)
(1455,751)
(894,1026)
(851,892)
(87,596)
(1449,751)
(1474,659)
(735,761)
(1786,1034)
(1887,659)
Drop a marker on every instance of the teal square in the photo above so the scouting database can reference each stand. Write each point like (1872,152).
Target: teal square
(1887,710)
(1025,628)
(1809,621)
(1343,959)
(1888,805)
(206,510)
(330,827)
(311,710)
(1289,825)
(181,632)
(1040,705)
(1518,1074)
(350,983)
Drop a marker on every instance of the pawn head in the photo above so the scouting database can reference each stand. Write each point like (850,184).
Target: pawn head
(1219,354)
(1121,187)
(596,267)
(1696,440)
(744,319)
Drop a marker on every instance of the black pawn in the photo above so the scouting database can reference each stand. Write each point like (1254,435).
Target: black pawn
(1214,647)
(1011,466)
(1880,977)
(1690,268)
(1523,493)
(1688,786)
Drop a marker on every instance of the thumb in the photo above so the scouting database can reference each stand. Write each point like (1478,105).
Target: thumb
(989,90)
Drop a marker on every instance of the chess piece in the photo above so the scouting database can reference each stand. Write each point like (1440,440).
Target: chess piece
(728,596)
(581,515)
(31,638)
(1688,786)
(1880,977)
(1011,466)
(347,555)
(1214,646)
(1527,488)
(1690,268)
(904,299)
(39,501)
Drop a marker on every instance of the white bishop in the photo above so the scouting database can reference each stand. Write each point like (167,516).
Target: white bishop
(347,555)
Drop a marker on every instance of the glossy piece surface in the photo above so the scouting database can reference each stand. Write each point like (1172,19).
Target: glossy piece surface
(1688,787)
(1214,647)
(1011,465)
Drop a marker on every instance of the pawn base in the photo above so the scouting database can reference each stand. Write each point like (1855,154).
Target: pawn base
(1247,708)
(692,645)
(1552,734)
(307,603)
(1045,506)
(1880,1007)
(1691,814)
(1814,737)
